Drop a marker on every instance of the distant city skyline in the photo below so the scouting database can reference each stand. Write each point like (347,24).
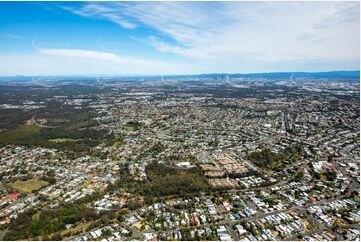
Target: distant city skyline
(162,38)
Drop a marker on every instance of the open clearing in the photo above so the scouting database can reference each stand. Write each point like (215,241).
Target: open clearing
(62,140)
(29,185)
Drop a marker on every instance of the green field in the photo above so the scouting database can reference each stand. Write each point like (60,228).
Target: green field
(18,134)
(62,140)
(28,186)
(127,128)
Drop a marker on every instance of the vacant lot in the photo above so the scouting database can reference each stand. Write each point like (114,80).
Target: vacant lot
(29,185)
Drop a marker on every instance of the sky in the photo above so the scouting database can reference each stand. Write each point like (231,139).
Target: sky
(140,38)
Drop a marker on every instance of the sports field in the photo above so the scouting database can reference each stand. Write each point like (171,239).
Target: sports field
(28,186)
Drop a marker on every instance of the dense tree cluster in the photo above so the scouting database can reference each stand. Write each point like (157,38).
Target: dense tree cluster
(34,223)
(165,180)
(270,159)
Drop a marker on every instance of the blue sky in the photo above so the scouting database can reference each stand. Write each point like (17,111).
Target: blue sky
(65,38)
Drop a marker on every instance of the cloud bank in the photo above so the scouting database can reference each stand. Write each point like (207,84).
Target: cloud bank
(265,31)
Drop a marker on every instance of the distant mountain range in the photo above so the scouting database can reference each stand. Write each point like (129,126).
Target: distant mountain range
(330,74)
(271,75)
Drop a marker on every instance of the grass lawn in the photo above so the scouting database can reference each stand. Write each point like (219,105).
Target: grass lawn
(117,144)
(127,128)
(29,185)
(62,140)
(20,133)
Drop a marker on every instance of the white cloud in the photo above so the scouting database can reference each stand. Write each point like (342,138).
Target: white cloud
(102,12)
(76,61)
(105,58)
(84,54)
(238,31)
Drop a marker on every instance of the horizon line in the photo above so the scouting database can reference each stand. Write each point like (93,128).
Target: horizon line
(198,74)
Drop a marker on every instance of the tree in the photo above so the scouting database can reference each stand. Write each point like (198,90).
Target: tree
(105,219)
(331,175)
